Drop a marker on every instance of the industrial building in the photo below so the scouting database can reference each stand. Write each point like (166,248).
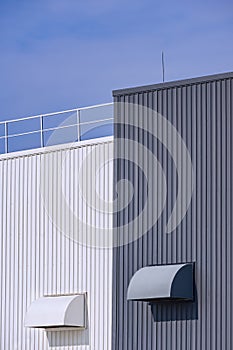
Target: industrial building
(116,222)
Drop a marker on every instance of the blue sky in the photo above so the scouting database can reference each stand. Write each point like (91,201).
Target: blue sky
(61,54)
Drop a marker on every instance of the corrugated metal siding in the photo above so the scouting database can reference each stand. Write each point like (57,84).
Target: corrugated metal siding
(36,259)
(203,115)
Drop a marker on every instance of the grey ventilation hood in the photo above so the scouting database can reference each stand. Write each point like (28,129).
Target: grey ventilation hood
(163,282)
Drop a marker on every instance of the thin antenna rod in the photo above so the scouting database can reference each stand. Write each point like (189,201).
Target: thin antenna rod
(163,69)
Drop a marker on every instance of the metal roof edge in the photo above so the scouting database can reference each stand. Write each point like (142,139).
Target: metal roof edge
(55,148)
(171,84)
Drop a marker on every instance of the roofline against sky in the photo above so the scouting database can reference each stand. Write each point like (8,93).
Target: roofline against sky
(171,84)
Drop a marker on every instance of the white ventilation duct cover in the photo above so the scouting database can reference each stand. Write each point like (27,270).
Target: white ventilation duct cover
(164,282)
(57,311)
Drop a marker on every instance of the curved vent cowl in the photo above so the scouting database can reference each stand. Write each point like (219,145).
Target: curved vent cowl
(163,282)
(57,312)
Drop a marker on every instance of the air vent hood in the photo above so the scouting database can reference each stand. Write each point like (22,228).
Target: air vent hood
(57,311)
(163,282)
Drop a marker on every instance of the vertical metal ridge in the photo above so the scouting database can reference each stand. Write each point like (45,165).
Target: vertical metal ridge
(202,114)
(37,259)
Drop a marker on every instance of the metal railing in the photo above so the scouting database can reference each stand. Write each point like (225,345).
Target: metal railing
(56,128)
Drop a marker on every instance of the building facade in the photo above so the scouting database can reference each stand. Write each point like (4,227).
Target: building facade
(196,228)
(40,257)
(139,224)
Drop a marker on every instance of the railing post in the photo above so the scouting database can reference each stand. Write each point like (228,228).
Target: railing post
(6,137)
(78,125)
(41,132)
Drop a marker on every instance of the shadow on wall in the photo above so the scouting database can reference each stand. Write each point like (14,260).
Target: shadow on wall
(58,339)
(175,311)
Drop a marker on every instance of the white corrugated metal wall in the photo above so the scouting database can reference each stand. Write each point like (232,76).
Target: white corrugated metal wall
(37,259)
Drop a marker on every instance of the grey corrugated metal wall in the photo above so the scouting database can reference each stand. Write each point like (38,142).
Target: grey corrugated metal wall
(202,112)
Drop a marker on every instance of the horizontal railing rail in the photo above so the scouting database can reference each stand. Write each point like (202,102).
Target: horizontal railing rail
(70,125)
